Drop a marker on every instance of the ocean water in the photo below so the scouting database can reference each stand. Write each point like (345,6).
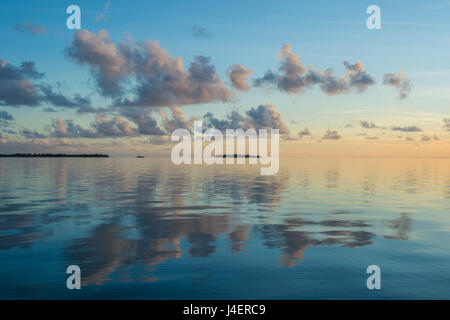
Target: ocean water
(147,229)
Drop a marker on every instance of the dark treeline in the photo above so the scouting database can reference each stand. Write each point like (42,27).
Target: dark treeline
(53,155)
(238,156)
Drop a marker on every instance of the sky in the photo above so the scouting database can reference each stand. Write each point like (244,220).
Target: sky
(137,70)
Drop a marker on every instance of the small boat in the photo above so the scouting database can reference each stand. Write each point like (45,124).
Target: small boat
(140,157)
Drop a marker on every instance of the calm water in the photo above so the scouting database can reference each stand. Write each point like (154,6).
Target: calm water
(144,228)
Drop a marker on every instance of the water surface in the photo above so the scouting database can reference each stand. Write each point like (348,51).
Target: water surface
(147,229)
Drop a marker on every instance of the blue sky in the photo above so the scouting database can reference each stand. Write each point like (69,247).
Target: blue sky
(414,36)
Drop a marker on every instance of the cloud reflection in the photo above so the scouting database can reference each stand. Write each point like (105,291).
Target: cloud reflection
(122,216)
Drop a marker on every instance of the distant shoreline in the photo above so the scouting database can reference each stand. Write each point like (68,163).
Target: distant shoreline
(237,156)
(53,155)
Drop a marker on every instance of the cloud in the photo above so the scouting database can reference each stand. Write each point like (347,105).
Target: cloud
(429,138)
(43,145)
(67,129)
(6,116)
(357,76)
(9,131)
(407,129)
(32,134)
(159,140)
(304,132)
(104,14)
(201,32)
(265,116)
(399,81)
(332,135)
(288,137)
(160,80)
(30,28)
(177,121)
(295,78)
(447,124)
(369,125)
(49,110)
(116,127)
(102,56)
(82,104)
(147,124)
(269,78)
(102,127)
(234,120)
(261,117)
(238,76)
(16,89)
